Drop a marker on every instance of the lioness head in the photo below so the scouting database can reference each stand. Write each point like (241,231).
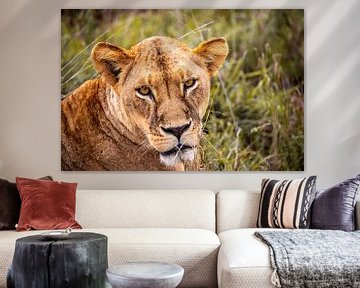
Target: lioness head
(161,89)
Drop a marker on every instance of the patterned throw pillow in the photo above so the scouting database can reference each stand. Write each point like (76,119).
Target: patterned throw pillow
(286,204)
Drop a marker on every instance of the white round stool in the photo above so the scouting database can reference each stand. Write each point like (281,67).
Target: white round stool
(145,275)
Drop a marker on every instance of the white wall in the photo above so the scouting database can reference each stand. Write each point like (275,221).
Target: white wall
(30,94)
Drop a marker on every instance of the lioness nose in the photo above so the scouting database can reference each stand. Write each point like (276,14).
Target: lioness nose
(177,131)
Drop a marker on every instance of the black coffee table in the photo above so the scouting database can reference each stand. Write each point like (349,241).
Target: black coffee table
(78,261)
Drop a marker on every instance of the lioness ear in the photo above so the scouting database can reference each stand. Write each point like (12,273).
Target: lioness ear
(213,52)
(109,60)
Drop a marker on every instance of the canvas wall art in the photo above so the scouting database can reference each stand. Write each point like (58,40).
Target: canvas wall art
(182,90)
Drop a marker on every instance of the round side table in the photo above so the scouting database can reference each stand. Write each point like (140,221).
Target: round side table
(145,275)
(78,261)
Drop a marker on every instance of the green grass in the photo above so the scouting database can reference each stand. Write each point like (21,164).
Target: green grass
(255,119)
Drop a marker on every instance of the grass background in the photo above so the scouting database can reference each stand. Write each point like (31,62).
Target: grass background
(255,120)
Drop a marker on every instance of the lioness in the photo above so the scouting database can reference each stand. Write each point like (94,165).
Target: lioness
(144,112)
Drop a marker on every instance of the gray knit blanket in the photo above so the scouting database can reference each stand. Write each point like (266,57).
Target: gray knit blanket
(313,258)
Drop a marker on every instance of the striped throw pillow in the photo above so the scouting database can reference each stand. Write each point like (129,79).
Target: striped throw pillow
(286,204)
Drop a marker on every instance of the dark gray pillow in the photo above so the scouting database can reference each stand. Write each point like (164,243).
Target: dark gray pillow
(9,205)
(334,208)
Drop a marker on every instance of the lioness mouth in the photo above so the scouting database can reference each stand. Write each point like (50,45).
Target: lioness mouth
(179,153)
(176,149)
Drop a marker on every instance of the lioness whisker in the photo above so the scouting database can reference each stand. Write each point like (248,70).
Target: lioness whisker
(143,144)
(179,149)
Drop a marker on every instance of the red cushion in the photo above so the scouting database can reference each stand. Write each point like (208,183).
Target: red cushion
(46,204)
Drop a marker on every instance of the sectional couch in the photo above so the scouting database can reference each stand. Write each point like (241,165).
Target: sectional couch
(210,235)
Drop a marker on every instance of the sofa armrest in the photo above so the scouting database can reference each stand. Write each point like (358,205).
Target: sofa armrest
(357,215)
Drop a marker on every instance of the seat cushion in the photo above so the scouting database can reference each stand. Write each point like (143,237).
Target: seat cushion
(196,250)
(244,261)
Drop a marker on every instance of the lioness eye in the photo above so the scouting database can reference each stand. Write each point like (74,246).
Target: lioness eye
(143,90)
(189,83)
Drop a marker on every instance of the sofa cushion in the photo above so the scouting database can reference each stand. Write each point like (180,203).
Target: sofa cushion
(244,261)
(153,209)
(194,249)
(236,209)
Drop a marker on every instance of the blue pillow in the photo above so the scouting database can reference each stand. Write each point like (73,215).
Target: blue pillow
(334,208)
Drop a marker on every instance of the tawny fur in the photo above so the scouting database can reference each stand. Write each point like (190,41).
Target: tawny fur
(105,125)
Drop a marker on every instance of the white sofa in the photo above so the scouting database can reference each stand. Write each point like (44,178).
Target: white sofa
(172,226)
(175,226)
(243,261)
